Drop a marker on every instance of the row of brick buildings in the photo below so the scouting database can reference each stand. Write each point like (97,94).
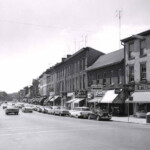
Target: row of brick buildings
(91,78)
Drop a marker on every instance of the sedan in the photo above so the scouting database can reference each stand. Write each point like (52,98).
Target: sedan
(80,112)
(61,111)
(52,111)
(4,106)
(100,115)
(11,110)
(27,108)
(47,109)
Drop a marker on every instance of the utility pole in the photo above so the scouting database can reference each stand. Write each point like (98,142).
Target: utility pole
(118,15)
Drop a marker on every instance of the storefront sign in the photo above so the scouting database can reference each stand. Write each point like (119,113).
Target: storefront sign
(142,87)
(81,94)
(94,86)
(90,95)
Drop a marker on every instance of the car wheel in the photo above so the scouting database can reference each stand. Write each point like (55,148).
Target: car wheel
(6,113)
(16,113)
(54,114)
(97,118)
(60,114)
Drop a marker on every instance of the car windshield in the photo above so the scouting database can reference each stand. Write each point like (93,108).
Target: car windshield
(85,109)
(10,107)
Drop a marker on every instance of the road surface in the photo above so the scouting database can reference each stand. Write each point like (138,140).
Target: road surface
(38,131)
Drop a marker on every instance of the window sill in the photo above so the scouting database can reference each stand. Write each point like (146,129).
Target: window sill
(131,58)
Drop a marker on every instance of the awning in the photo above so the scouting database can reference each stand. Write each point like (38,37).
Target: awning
(95,100)
(140,97)
(48,99)
(54,98)
(70,101)
(109,96)
(78,100)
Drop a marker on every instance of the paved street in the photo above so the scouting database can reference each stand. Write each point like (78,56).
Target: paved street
(37,131)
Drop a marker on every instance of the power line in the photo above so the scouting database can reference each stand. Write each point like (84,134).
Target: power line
(41,26)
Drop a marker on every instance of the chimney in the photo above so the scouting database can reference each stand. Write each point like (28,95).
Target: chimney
(63,59)
(68,56)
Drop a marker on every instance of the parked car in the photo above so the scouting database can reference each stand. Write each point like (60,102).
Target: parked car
(40,108)
(11,110)
(62,111)
(19,105)
(80,112)
(4,106)
(52,111)
(35,107)
(47,109)
(27,108)
(100,115)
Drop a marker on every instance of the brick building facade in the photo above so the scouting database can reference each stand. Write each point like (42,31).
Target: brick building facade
(104,77)
(137,72)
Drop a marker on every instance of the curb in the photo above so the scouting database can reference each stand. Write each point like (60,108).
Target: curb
(131,122)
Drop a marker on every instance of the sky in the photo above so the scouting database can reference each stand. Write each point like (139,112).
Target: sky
(36,34)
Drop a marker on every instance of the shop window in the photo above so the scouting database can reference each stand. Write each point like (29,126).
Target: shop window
(131,49)
(143,48)
(142,108)
(143,71)
(131,73)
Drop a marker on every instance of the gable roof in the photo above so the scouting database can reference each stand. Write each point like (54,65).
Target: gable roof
(108,59)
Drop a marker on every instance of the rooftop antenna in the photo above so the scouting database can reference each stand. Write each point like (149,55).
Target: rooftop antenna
(118,15)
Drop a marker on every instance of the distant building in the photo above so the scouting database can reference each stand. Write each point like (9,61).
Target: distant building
(137,72)
(43,84)
(35,84)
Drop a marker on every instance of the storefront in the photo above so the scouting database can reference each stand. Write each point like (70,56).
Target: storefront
(141,103)
(78,99)
(55,101)
(110,100)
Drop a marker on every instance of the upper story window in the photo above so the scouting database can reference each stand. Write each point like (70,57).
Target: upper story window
(143,71)
(131,73)
(119,76)
(104,78)
(111,77)
(131,49)
(98,78)
(83,63)
(143,48)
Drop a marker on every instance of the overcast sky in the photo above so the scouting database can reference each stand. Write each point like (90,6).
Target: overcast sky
(36,34)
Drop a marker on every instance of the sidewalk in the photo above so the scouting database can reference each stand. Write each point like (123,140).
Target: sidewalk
(131,120)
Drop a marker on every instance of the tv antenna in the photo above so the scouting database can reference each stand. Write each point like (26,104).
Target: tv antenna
(119,15)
